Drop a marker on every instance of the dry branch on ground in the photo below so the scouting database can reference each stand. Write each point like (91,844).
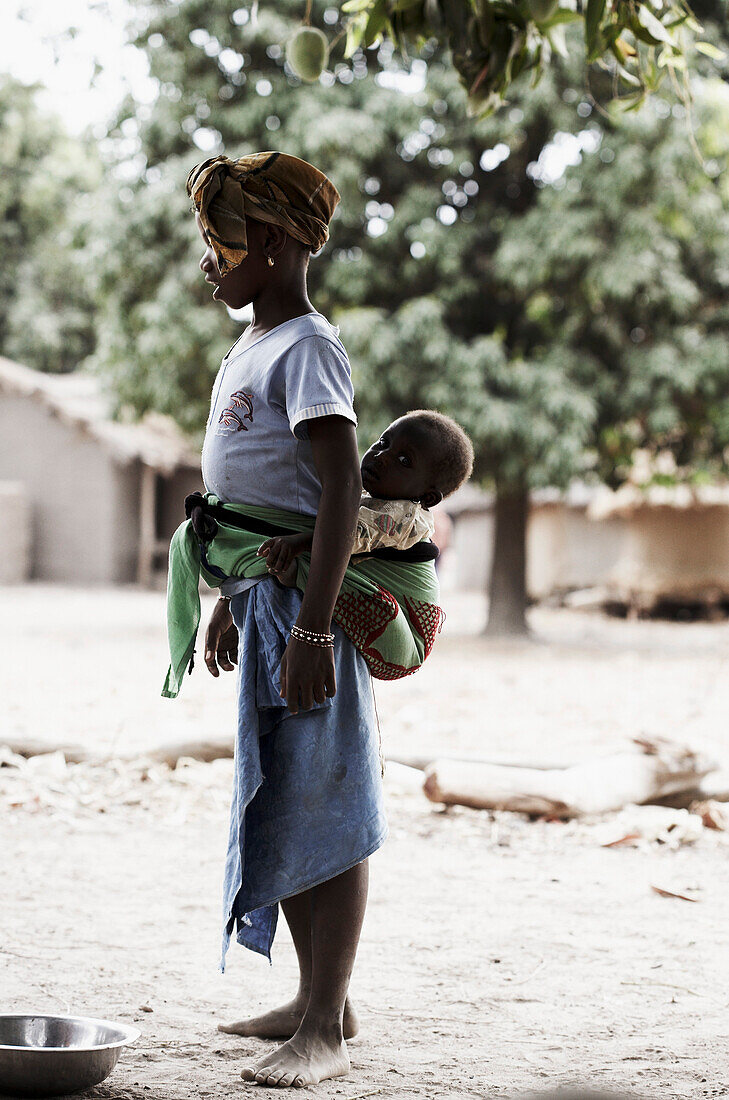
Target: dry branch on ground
(654,770)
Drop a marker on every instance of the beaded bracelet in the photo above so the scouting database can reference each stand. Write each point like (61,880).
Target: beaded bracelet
(312,641)
(325,641)
(317,645)
(317,635)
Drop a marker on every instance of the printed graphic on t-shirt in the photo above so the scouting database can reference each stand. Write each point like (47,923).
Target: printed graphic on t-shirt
(232,421)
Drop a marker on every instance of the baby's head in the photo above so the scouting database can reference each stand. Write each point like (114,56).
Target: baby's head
(423,456)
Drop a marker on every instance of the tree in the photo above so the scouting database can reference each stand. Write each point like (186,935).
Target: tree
(628,263)
(598,318)
(419,276)
(530,418)
(493,43)
(411,165)
(550,396)
(222,84)
(46,182)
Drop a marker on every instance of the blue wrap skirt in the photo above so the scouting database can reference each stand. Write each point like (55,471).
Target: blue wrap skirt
(307,795)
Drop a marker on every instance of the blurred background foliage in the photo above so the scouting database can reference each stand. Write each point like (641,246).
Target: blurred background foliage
(47,183)
(553,275)
(495,44)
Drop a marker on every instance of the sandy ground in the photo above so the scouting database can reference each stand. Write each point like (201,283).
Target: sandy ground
(499,955)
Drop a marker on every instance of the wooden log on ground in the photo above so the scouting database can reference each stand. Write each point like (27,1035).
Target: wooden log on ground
(204,751)
(656,769)
(713,787)
(423,762)
(27,747)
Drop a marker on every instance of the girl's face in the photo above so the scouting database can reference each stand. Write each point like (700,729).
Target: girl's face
(399,465)
(243,284)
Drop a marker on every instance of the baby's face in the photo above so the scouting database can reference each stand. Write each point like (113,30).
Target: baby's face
(399,465)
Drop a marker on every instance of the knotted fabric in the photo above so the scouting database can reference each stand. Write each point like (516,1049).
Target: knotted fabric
(388,609)
(269,187)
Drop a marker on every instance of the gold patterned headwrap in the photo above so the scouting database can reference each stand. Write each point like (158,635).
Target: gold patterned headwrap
(269,187)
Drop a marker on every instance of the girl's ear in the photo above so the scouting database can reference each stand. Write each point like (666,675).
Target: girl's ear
(274,240)
(431,498)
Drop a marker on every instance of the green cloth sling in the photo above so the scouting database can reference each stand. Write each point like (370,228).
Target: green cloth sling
(388,609)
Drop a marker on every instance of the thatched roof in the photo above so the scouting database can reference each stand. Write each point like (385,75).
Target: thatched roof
(78,400)
(630,498)
(470,499)
(598,501)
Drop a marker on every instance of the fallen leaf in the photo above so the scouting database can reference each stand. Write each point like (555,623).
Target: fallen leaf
(670,894)
(622,840)
(712,814)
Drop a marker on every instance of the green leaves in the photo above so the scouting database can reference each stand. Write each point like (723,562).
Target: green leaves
(375,23)
(355,30)
(593,18)
(47,180)
(623,267)
(405,5)
(643,38)
(711,51)
(369,19)
(543,319)
(653,31)
(560,17)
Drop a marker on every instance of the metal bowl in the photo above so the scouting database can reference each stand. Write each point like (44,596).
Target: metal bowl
(57,1055)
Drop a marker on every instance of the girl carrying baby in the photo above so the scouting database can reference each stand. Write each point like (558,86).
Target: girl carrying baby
(307,805)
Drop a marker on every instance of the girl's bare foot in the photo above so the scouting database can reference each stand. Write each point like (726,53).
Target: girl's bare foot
(283,1022)
(308,1058)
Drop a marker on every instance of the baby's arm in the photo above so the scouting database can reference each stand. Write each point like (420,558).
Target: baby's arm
(280,551)
(375,528)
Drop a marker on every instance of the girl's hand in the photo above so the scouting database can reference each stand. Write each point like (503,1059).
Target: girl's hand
(307,670)
(221,640)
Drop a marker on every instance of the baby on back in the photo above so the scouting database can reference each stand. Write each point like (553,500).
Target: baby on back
(420,459)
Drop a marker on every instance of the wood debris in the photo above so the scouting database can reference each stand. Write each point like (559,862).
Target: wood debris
(714,815)
(48,782)
(643,826)
(670,894)
(653,770)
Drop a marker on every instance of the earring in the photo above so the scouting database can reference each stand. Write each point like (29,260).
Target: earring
(270,260)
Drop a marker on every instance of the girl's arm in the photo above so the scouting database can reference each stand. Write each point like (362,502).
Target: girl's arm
(307,670)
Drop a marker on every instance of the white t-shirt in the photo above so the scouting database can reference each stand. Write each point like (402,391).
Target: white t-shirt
(257,448)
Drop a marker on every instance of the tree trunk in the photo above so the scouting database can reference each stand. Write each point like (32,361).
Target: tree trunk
(507,587)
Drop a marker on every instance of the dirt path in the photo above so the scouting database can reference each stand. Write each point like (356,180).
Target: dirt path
(498,955)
